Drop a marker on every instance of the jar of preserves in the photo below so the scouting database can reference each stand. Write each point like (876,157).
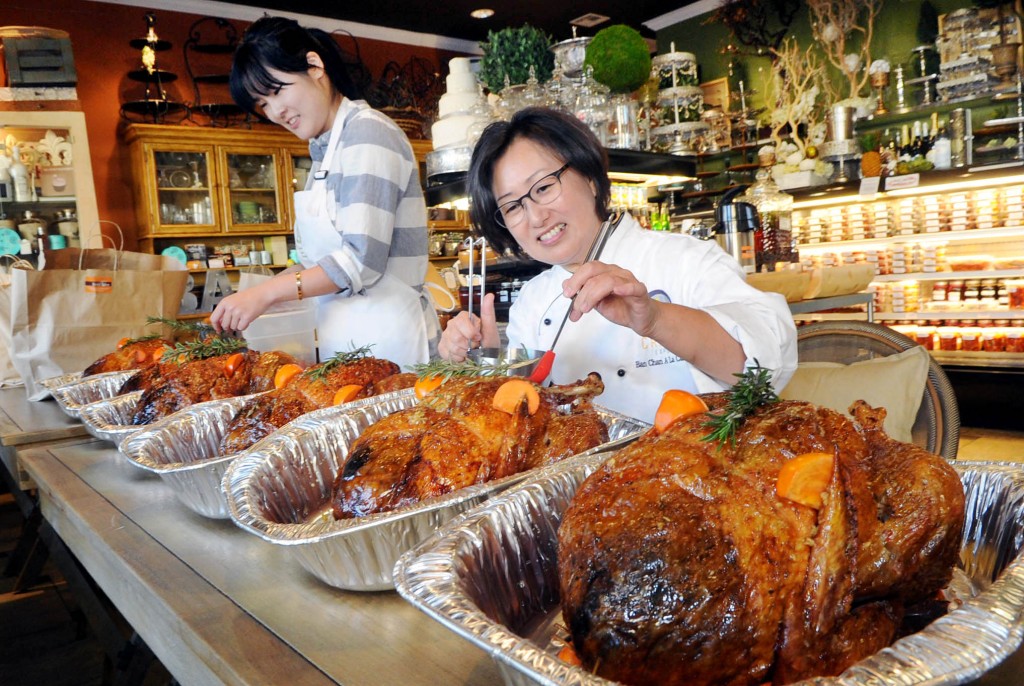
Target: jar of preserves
(993,341)
(949,338)
(939,290)
(954,291)
(925,337)
(989,290)
(1014,340)
(1015,293)
(970,339)
(972,289)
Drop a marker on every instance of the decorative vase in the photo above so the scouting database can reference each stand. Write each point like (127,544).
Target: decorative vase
(879,81)
(1004,63)
(623,131)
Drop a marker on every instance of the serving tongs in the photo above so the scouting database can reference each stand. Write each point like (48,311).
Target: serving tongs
(547,360)
(471,244)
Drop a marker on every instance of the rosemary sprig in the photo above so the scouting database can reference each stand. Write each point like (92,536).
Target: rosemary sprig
(468,367)
(751,391)
(189,351)
(320,371)
(198,329)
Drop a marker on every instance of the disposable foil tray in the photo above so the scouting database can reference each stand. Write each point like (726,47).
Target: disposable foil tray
(280,490)
(111,419)
(491,577)
(89,389)
(183,449)
(60,380)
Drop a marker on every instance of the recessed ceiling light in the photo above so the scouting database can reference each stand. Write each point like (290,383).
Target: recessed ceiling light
(483,13)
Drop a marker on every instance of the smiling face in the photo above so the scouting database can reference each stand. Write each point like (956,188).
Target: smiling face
(560,232)
(305,104)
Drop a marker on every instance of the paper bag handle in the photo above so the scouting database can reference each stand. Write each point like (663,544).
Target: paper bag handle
(9,262)
(118,248)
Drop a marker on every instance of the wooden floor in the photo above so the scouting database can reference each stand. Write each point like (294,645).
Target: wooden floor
(46,640)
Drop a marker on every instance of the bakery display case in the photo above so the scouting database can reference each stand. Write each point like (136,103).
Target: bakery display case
(948,255)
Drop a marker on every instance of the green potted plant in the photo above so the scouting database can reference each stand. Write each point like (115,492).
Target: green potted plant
(511,52)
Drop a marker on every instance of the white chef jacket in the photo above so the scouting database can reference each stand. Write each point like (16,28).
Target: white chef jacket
(637,370)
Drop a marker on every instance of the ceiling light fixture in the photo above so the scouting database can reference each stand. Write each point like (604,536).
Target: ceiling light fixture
(483,13)
(589,20)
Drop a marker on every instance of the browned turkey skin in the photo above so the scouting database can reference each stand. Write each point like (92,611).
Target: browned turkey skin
(455,438)
(264,414)
(680,564)
(168,387)
(133,355)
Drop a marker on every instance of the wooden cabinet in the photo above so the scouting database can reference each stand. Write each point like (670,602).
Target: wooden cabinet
(229,190)
(213,183)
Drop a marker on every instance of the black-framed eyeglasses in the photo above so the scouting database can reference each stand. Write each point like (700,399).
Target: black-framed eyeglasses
(544,192)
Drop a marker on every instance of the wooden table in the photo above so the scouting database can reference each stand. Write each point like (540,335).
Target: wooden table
(219,605)
(26,424)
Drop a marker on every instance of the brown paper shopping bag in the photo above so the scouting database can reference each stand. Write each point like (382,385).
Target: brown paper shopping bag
(81,303)
(8,374)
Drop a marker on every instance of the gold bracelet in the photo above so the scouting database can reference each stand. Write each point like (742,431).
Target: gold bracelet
(298,284)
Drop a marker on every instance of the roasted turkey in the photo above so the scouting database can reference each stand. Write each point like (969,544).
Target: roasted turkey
(315,388)
(169,386)
(133,354)
(455,437)
(679,563)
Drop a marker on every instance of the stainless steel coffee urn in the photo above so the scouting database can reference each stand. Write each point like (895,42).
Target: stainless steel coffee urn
(735,226)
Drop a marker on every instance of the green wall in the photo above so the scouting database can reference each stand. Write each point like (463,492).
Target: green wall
(895,34)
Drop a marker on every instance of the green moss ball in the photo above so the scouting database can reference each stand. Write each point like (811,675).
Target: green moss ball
(620,58)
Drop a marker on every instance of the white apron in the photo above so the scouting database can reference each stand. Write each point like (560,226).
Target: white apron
(388,315)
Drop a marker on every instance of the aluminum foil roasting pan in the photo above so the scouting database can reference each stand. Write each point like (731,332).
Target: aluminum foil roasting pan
(183,449)
(280,490)
(60,380)
(491,577)
(111,419)
(73,395)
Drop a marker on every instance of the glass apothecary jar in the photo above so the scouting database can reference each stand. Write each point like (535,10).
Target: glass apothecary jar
(773,242)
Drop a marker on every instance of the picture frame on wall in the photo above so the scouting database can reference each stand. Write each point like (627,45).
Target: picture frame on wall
(716,93)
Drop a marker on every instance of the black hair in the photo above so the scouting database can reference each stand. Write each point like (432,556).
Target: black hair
(282,44)
(564,135)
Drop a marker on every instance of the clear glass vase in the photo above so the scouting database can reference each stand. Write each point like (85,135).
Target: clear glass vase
(623,130)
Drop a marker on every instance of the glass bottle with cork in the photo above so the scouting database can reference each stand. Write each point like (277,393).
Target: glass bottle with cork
(773,242)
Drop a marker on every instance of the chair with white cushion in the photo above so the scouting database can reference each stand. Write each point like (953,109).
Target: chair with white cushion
(843,361)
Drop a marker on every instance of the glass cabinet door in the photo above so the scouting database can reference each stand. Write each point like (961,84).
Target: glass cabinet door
(297,168)
(253,191)
(184,190)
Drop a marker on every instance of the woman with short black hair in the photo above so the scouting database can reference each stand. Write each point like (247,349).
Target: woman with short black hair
(653,311)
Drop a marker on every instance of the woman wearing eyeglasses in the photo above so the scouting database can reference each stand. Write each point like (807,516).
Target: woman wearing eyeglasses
(653,311)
